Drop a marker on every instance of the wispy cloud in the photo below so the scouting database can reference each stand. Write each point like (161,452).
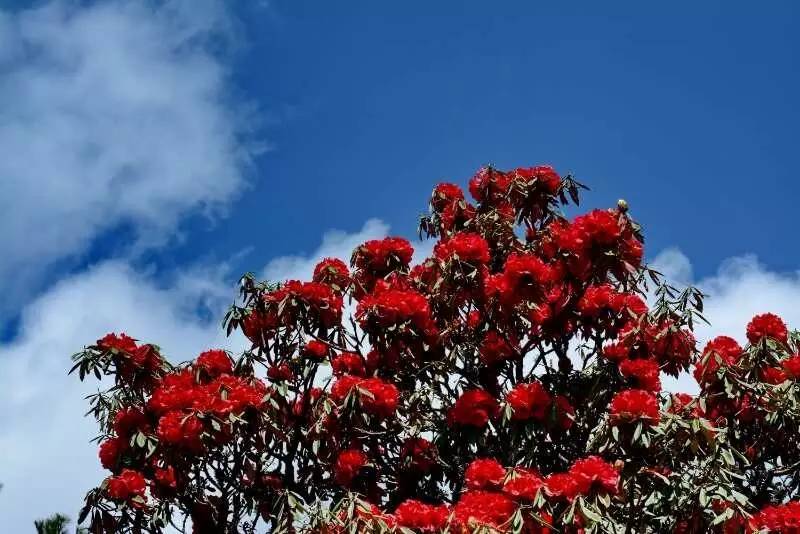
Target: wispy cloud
(112,114)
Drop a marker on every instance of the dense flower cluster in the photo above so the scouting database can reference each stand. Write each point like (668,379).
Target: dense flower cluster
(475,408)
(633,405)
(767,326)
(778,519)
(510,382)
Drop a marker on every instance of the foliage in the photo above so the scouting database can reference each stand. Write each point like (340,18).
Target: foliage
(55,524)
(508,383)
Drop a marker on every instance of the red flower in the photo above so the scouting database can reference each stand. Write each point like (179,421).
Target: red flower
(394,307)
(111,450)
(475,407)
(528,401)
(616,352)
(348,465)
(595,473)
(633,405)
(466,247)
(129,420)
(476,508)
(489,184)
(165,477)
(599,227)
(599,299)
(772,375)
(544,176)
(523,484)
(496,348)
(380,398)
(767,325)
(121,343)
(632,251)
(722,351)
(562,485)
(422,517)
(315,349)
(332,272)
(526,275)
(376,396)
(782,518)
(382,256)
(420,454)
(791,366)
(280,372)
(126,485)
(178,428)
(484,473)
(348,363)
(643,372)
(214,363)
(674,348)
(323,302)
(445,195)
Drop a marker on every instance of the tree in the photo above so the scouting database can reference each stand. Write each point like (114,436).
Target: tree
(55,524)
(508,383)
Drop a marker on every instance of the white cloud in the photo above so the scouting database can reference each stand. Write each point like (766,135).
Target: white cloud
(335,244)
(113,113)
(741,288)
(43,428)
(45,438)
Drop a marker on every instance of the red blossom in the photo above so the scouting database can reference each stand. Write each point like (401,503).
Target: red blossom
(422,517)
(445,195)
(767,325)
(633,405)
(475,407)
(562,485)
(523,484)
(484,473)
(791,366)
(315,349)
(526,275)
(489,184)
(121,343)
(178,428)
(476,508)
(779,519)
(496,348)
(466,247)
(348,363)
(111,450)
(544,176)
(381,256)
(348,465)
(643,373)
(722,351)
(376,396)
(594,473)
(529,401)
(332,272)
(126,485)
(129,420)
(420,454)
(214,363)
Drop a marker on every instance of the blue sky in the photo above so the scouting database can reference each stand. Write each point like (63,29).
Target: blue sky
(150,152)
(689,112)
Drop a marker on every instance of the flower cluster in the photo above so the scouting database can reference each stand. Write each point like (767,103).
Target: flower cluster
(510,382)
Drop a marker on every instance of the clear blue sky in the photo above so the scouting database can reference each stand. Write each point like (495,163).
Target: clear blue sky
(689,110)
